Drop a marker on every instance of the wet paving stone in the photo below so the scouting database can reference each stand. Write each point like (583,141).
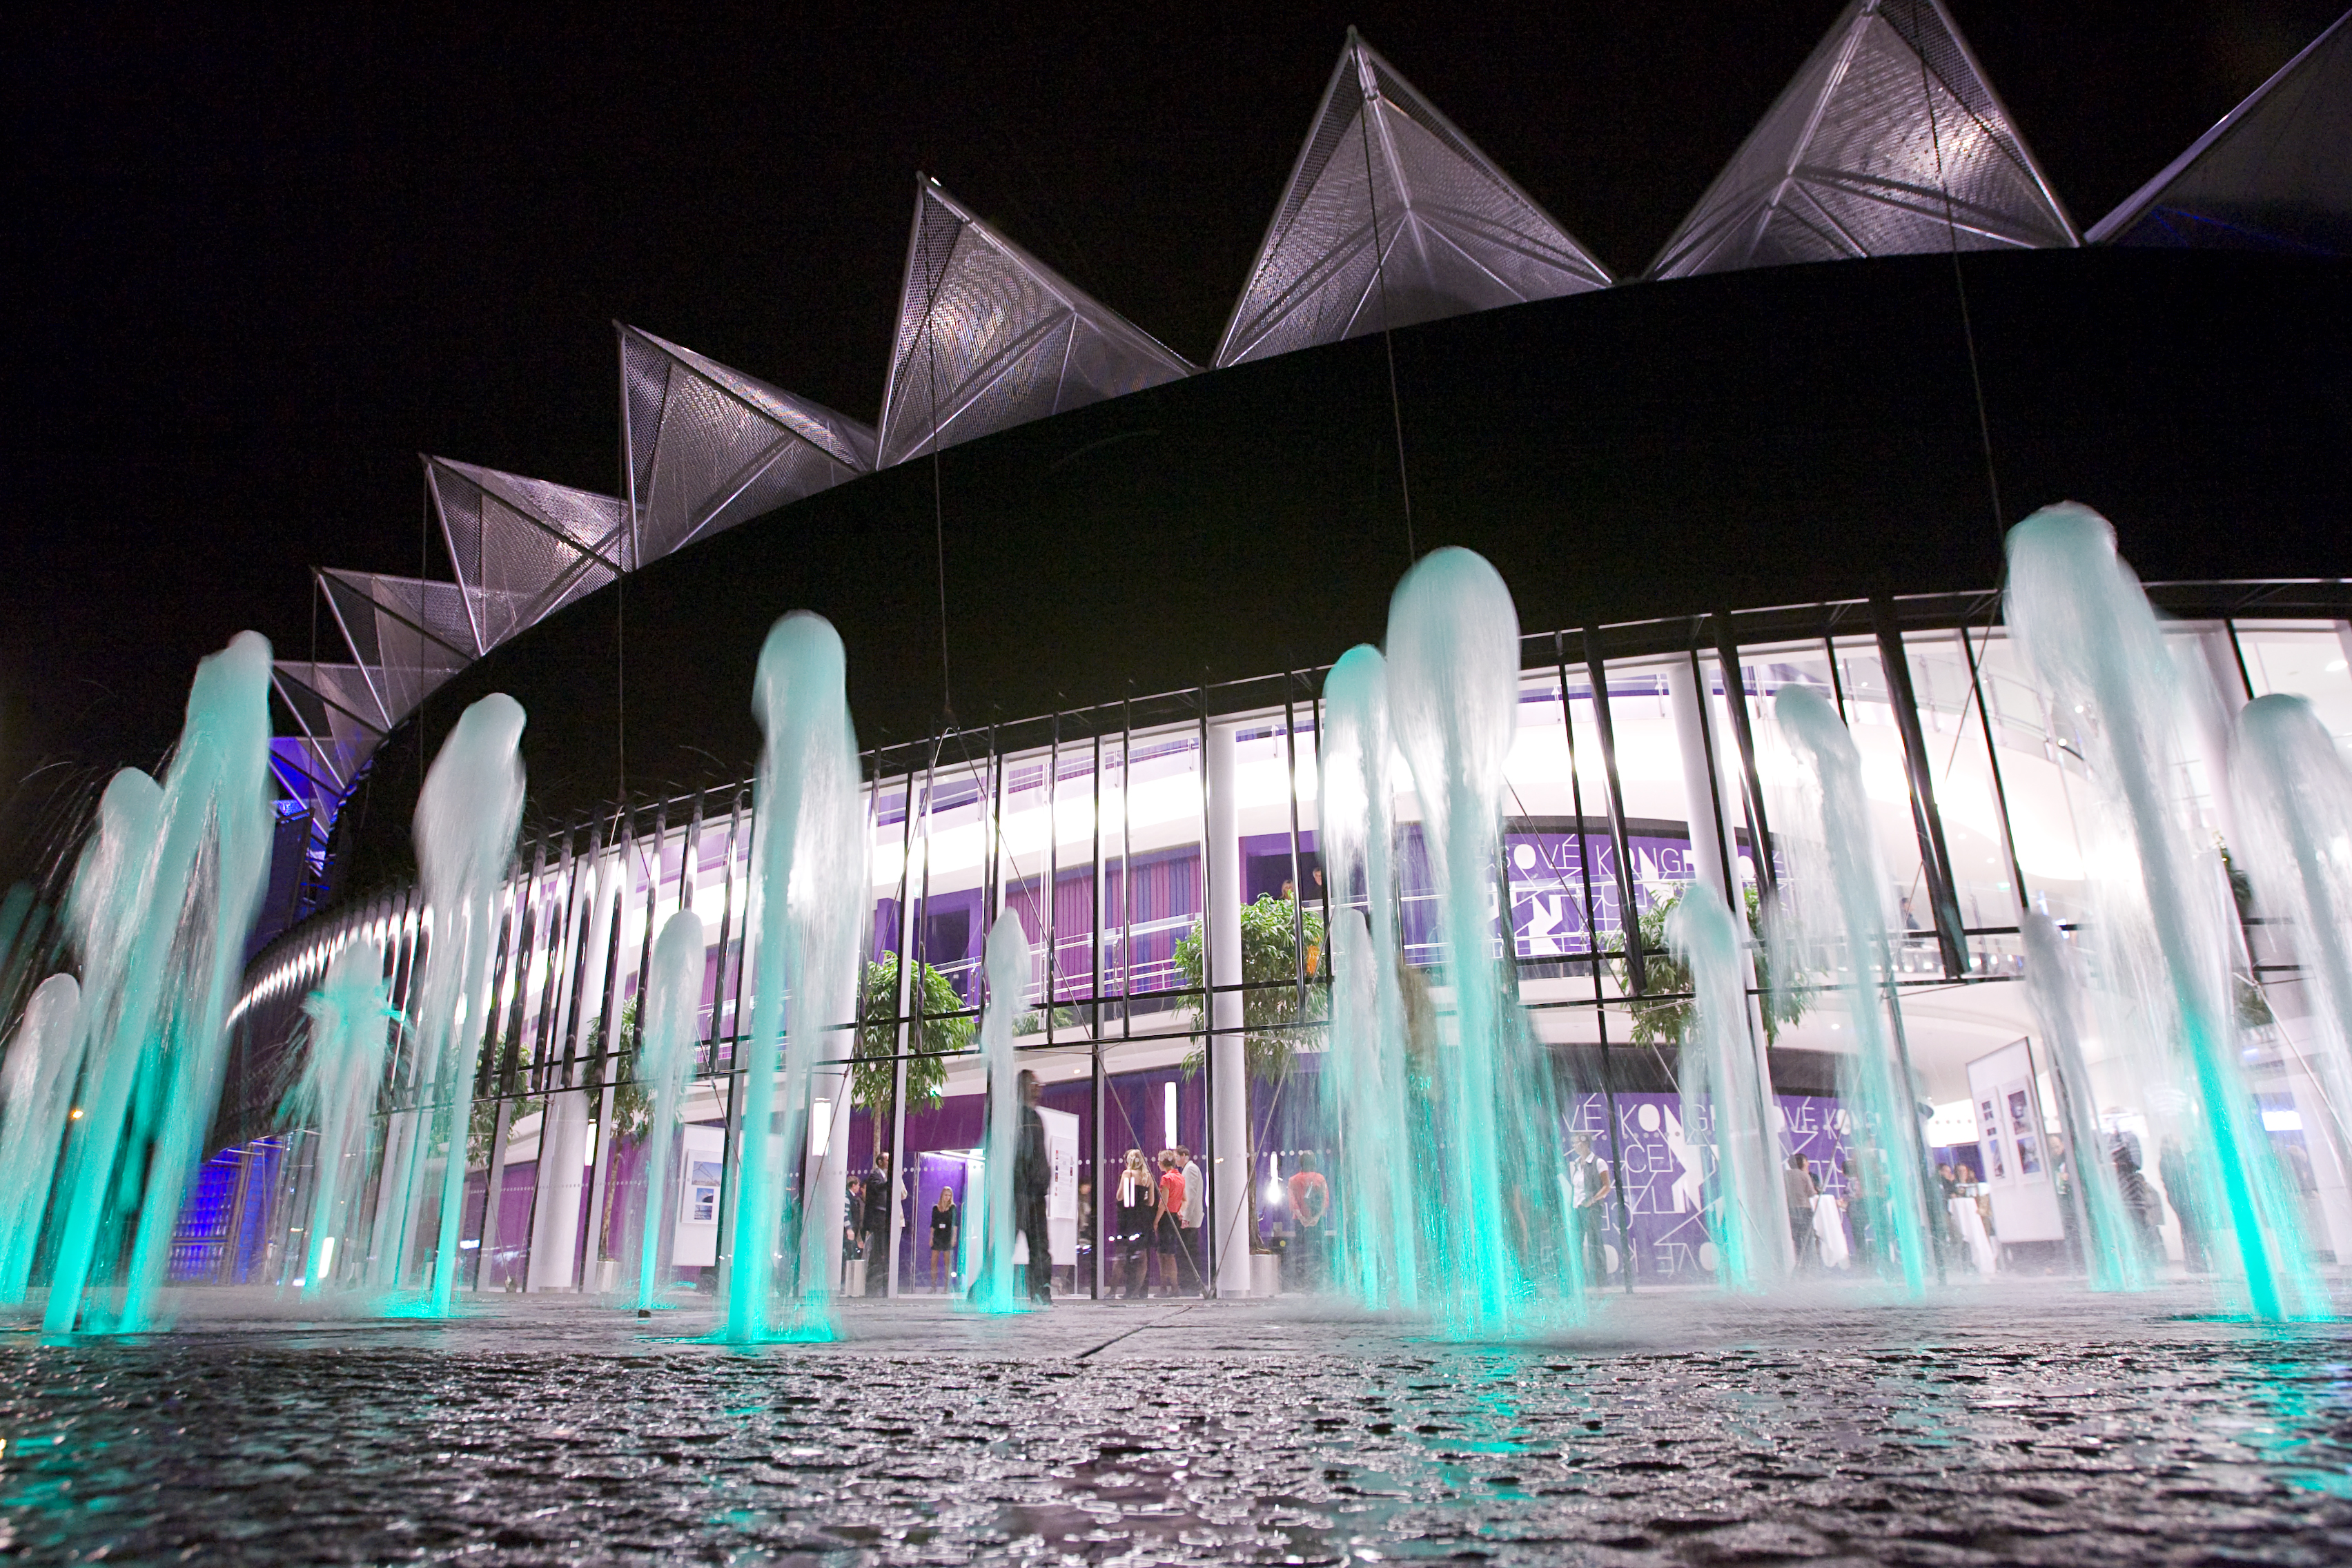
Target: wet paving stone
(2036,1425)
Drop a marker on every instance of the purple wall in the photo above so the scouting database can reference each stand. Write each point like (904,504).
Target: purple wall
(1668,1176)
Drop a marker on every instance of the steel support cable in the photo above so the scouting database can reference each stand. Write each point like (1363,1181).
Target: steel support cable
(1388,339)
(939,513)
(1960,283)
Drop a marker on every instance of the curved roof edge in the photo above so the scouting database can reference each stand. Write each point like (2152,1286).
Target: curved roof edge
(2327,59)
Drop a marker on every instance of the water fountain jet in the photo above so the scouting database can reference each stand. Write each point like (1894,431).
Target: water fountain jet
(350,1032)
(1454,694)
(1364,1078)
(182,894)
(1007,966)
(664,1061)
(1838,901)
(467,817)
(807,893)
(43,1061)
(1722,1085)
(2163,928)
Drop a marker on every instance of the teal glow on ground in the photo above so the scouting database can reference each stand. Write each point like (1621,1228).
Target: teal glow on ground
(2024,1422)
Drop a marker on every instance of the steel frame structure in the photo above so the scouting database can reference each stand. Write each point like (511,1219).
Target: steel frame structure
(562,971)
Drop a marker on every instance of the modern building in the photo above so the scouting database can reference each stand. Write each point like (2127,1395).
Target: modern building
(1086,631)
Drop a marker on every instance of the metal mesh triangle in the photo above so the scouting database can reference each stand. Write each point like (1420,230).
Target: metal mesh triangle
(990,337)
(301,771)
(1888,141)
(2275,175)
(1457,234)
(317,694)
(709,446)
(407,635)
(343,685)
(523,548)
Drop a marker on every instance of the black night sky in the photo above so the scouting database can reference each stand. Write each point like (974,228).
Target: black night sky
(261,264)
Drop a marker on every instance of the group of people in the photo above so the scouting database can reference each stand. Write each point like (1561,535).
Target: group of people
(865,1219)
(1158,1214)
(2144,1206)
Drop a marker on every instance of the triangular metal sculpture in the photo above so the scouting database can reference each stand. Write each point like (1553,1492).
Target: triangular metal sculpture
(299,767)
(990,337)
(523,548)
(1888,142)
(337,710)
(2275,175)
(708,447)
(1391,216)
(408,634)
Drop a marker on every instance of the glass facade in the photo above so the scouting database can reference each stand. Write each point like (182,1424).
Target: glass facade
(1646,760)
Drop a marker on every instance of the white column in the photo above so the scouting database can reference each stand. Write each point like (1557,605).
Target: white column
(2333,1198)
(1707,809)
(563,1159)
(564,1131)
(827,1176)
(1709,833)
(1229,1171)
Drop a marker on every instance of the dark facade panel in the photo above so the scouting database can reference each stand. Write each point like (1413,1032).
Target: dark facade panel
(1761,438)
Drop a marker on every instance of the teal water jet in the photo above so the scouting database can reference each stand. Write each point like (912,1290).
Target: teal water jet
(994,1287)
(1723,1088)
(467,817)
(2163,927)
(2294,795)
(807,894)
(664,1062)
(1840,897)
(101,914)
(38,1085)
(351,1016)
(2111,1257)
(1364,1075)
(1454,695)
(183,941)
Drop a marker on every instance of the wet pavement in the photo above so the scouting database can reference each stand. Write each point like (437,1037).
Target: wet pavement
(2019,1423)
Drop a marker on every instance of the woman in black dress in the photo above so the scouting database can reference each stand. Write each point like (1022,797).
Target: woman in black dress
(1138,1199)
(943,1235)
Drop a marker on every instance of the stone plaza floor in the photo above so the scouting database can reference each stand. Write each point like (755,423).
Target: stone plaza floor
(2011,1422)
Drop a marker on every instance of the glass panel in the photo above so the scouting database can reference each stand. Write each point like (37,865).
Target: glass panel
(1153,1106)
(2041,778)
(2307,658)
(1849,671)
(1966,796)
(1659,813)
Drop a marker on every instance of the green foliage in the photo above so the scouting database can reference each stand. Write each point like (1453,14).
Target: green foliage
(934,1039)
(506,1078)
(486,1123)
(1033,1022)
(1270,958)
(1663,1022)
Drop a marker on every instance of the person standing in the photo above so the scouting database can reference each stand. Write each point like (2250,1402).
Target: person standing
(853,1231)
(1033,1178)
(1196,1209)
(945,1219)
(1855,1204)
(1589,1182)
(1168,1224)
(1138,1198)
(1310,1205)
(1948,1231)
(881,1197)
(2140,1203)
(1797,1184)
(2180,1191)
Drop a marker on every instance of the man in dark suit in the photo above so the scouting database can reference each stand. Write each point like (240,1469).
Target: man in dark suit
(1033,1178)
